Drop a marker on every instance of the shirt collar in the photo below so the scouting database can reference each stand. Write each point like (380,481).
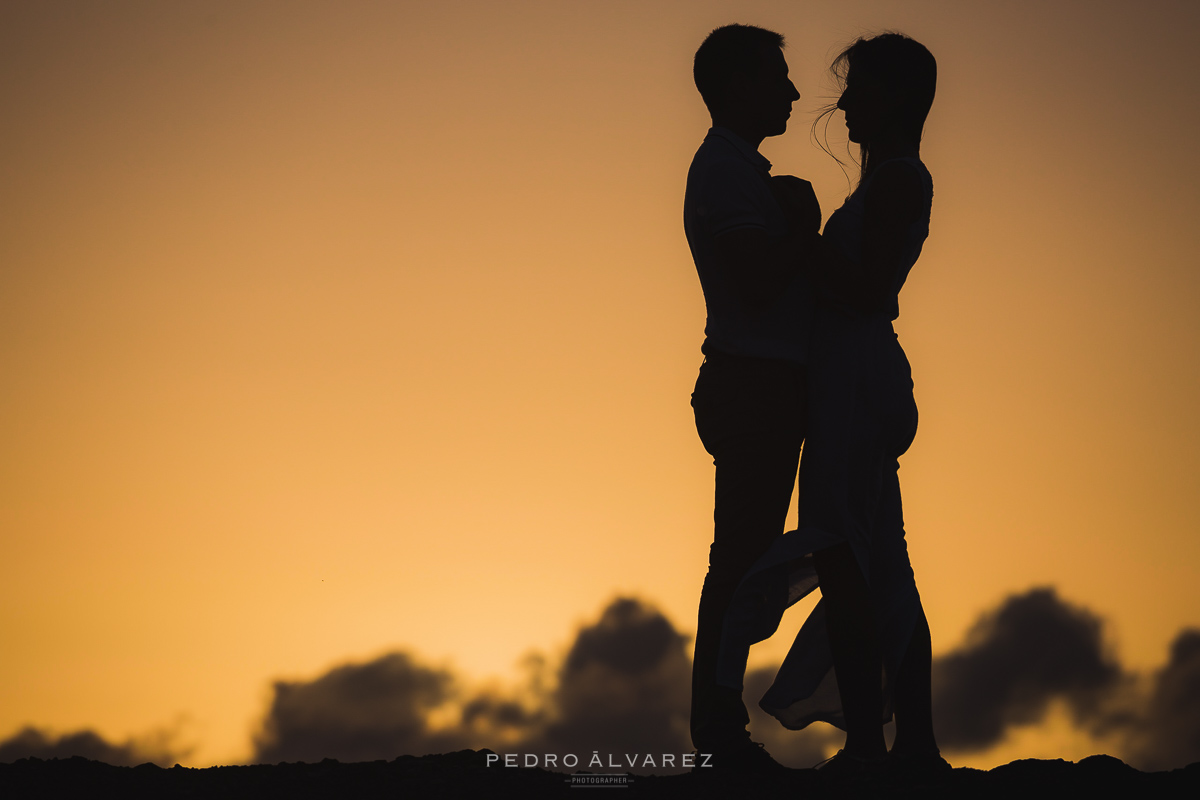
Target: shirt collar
(757,159)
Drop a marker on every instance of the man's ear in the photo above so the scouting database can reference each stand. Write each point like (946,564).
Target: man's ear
(726,90)
(737,85)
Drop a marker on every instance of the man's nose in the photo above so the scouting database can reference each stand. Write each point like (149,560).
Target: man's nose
(795,93)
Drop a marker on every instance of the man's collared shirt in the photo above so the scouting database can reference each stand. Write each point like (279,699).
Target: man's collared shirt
(727,189)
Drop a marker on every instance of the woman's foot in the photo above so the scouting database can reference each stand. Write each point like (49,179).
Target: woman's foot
(845,765)
(917,765)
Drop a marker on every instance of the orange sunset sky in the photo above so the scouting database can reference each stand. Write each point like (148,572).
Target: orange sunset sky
(330,328)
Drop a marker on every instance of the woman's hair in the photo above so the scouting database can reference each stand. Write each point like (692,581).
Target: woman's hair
(899,63)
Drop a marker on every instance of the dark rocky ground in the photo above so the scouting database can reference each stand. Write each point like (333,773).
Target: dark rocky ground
(465,774)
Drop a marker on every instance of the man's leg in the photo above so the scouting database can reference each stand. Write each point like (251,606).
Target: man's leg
(750,419)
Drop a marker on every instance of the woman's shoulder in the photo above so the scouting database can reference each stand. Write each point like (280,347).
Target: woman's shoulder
(900,184)
(905,170)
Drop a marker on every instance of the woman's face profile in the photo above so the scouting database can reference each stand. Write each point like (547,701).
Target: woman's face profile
(866,103)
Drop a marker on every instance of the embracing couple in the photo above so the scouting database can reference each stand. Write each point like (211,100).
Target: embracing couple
(800,355)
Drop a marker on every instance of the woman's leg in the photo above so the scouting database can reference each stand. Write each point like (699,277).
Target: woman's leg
(913,696)
(855,647)
(899,610)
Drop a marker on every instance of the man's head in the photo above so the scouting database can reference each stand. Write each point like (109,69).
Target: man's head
(743,78)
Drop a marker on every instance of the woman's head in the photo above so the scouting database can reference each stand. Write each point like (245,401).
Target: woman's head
(887,83)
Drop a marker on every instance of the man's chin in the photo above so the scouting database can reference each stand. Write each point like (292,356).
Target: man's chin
(777,128)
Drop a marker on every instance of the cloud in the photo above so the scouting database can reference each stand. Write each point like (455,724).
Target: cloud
(623,687)
(157,747)
(358,712)
(1167,733)
(1034,649)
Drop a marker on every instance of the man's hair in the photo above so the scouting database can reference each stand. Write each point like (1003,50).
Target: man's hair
(726,51)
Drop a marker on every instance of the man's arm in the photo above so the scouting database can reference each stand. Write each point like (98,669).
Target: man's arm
(760,271)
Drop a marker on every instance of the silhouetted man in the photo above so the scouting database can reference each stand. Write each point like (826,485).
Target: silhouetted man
(744,229)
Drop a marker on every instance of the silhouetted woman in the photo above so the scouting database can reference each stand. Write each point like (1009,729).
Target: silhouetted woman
(862,417)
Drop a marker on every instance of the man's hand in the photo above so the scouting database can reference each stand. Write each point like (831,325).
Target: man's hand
(798,201)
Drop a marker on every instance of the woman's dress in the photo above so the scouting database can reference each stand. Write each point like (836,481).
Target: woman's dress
(861,418)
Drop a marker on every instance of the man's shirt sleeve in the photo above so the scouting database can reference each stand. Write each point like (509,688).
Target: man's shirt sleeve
(730,196)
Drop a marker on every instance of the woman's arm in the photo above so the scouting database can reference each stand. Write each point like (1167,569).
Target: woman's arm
(894,201)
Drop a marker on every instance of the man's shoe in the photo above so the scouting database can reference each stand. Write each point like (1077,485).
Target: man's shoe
(745,758)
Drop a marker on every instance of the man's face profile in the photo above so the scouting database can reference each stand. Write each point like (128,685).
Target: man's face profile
(763,97)
(778,91)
